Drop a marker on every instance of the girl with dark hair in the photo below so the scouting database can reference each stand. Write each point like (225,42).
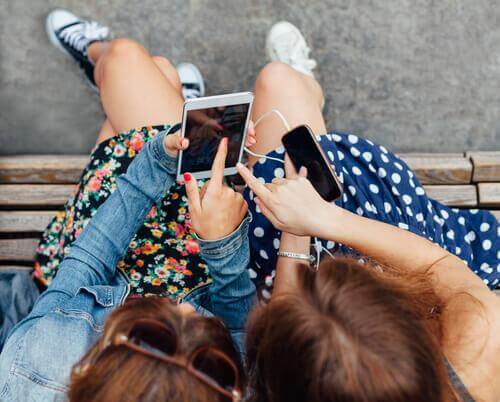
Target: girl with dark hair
(416,325)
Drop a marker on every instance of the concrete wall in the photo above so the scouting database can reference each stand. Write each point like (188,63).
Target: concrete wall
(416,75)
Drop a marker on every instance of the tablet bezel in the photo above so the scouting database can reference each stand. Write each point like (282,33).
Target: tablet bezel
(209,102)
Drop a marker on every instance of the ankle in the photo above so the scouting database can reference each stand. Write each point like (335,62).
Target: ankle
(315,89)
(96,50)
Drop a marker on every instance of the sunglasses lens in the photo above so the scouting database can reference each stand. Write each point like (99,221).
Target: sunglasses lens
(216,368)
(155,336)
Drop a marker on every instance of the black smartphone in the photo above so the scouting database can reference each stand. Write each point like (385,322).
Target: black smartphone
(303,149)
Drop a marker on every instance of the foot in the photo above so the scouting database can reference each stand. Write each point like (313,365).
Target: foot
(192,82)
(73,36)
(286,43)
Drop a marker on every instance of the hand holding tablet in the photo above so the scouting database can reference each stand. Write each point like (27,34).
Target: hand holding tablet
(205,122)
(217,210)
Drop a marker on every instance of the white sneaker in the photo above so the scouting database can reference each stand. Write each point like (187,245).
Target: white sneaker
(73,35)
(286,43)
(192,82)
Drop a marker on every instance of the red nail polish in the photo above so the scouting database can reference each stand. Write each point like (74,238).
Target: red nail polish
(187,176)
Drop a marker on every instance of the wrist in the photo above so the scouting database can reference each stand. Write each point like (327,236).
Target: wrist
(293,243)
(331,222)
(168,161)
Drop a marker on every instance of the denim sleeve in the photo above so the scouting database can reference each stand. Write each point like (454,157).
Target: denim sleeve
(94,255)
(232,292)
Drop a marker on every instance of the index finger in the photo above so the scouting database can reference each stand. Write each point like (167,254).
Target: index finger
(219,164)
(255,185)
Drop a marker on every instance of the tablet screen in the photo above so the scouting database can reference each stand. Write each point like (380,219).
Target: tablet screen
(205,128)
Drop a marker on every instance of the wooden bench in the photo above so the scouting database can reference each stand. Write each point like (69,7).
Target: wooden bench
(33,187)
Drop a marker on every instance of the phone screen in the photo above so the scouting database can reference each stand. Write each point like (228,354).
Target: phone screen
(205,128)
(303,150)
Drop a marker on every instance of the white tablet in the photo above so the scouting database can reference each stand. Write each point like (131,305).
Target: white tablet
(205,121)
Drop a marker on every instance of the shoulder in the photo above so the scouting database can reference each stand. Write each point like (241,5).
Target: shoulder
(472,325)
(38,357)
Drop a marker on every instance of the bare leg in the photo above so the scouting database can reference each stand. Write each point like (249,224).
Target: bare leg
(170,73)
(297,96)
(134,90)
(106,131)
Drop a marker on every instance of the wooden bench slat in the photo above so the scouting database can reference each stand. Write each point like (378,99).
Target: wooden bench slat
(489,194)
(35,194)
(440,170)
(496,213)
(455,196)
(50,169)
(486,166)
(24,221)
(432,154)
(18,249)
(11,268)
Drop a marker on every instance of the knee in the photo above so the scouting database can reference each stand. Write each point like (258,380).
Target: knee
(276,75)
(169,71)
(124,51)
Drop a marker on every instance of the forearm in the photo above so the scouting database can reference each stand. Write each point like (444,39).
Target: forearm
(94,255)
(385,243)
(232,292)
(287,269)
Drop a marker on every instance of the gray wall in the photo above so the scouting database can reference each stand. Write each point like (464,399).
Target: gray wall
(417,75)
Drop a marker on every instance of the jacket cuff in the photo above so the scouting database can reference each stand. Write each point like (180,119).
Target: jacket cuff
(158,150)
(221,248)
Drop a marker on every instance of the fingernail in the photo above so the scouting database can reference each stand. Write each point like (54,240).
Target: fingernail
(187,176)
(225,140)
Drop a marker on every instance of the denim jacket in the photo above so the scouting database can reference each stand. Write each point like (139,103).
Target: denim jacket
(69,316)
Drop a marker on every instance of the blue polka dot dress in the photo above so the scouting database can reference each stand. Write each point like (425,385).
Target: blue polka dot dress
(379,185)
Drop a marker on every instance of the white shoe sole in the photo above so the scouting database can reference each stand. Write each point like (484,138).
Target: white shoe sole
(197,74)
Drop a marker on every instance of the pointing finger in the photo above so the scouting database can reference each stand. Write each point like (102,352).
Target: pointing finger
(255,185)
(219,164)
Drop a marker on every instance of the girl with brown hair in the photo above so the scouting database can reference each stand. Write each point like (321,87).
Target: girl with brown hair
(87,337)
(418,327)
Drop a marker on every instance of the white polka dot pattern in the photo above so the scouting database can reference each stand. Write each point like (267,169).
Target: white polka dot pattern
(379,185)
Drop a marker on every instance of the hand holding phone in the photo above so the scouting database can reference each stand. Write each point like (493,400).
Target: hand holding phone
(292,204)
(303,149)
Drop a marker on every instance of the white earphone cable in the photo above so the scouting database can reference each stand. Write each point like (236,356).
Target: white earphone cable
(258,121)
(317,243)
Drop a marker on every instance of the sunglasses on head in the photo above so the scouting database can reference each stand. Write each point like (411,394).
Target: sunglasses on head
(208,365)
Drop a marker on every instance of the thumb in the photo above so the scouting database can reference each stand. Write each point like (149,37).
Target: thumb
(174,143)
(290,170)
(192,192)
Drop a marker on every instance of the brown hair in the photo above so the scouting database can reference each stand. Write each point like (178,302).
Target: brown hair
(350,333)
(120,374)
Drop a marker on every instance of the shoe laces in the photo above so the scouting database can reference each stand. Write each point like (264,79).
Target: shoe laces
(294,52)
(81,34)
(190,93)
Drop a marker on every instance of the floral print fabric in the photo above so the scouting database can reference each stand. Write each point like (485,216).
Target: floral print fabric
(163,257)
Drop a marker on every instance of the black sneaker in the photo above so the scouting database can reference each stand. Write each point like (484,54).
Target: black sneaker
(73,36)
